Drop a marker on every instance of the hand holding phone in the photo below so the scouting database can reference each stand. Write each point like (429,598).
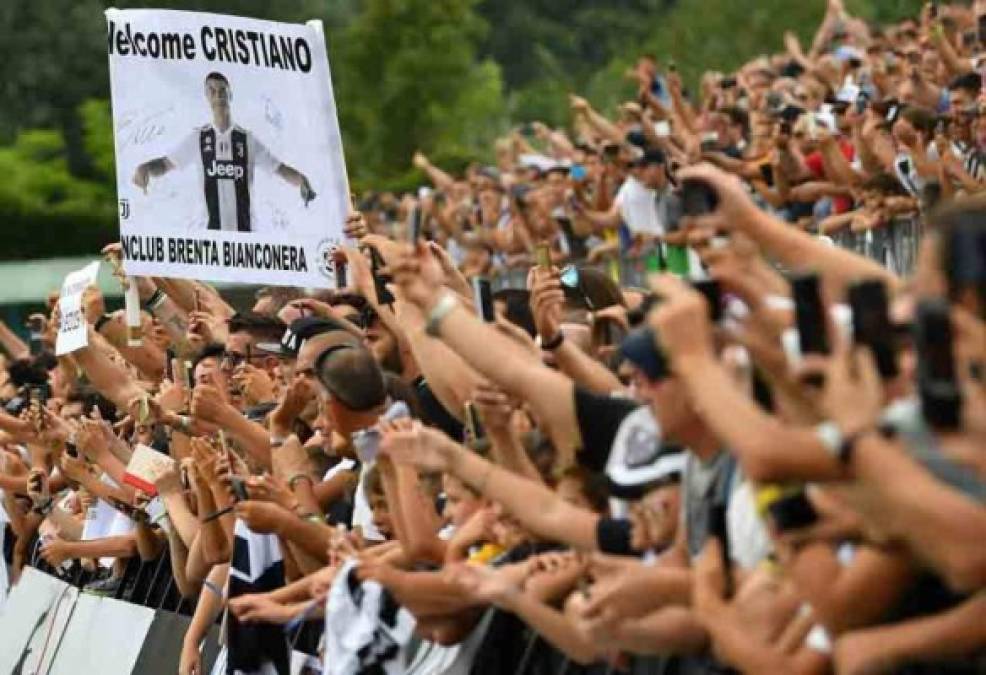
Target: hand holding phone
(809,314)
(717,528)
(483,297)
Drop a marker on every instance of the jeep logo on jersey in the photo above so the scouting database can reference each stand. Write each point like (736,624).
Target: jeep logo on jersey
(220,169)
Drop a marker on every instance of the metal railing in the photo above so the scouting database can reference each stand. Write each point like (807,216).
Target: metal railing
(895,246)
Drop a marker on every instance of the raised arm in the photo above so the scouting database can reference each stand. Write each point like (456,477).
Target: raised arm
(493,354)
(534,505)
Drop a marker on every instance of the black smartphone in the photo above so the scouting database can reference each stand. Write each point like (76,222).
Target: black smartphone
(871,324)
(712,291)
(239,489)
(169,364)
(941,397)
(414,226)
(35,327)
(697,197)
(384,296)
(793,512)
(483,296)
(71,450)
(340,271)
(809,313)
(727,83)
(767,173)
(716,526)
(933,9)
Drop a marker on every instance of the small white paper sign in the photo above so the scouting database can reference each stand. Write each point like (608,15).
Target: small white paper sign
(72,329)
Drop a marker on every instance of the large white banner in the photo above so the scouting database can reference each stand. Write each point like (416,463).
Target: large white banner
(228,154)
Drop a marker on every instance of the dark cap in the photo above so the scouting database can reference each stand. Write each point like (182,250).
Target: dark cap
(640,349)
(300,330)
(651,156)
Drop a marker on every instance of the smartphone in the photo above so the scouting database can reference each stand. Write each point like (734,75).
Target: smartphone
(188,372)
(941,397)
(861,102)
(71,450)
(126,509)
(367,444)
(712,291)
(871,324)
(169,364)
(809,314)
(239,489)
(767,173)
(384,296)
(340,271)
(483,296)
(186,484)
(716,526)
(414,227)
(710,142)
(474,426)
(697,197)
(727,83)
(543,254)
(35,335)
(793,512)
(933,9)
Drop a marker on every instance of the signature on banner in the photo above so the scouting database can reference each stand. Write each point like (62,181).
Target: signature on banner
(135,130)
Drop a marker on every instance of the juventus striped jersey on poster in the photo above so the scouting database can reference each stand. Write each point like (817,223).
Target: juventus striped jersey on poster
(226,162)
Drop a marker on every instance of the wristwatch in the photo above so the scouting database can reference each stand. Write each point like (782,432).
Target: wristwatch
(837,444)
(445,305)
(554,343)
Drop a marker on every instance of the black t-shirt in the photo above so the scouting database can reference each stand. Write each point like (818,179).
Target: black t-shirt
(435,414)
(599,419)
(613,536)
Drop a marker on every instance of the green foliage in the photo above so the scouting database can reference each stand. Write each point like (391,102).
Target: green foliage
(410,79)
(445,76)
(47,210)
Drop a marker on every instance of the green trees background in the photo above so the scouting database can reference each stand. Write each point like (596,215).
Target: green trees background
(446,76)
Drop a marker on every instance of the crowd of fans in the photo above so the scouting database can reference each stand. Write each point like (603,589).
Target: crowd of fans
(768,460)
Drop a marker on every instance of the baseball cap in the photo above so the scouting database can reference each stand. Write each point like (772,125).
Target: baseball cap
(297,332)
(640,349)
(640,459)
(651,156)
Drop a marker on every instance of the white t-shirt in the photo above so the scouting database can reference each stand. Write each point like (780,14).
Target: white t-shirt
(640,207)
(226,162)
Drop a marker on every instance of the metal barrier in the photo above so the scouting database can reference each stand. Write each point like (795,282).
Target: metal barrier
(895,246)
(147,583)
